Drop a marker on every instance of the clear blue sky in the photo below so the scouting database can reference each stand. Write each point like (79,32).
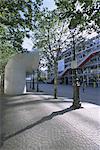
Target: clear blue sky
(50,5)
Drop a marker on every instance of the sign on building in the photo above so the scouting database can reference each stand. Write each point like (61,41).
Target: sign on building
(61,65)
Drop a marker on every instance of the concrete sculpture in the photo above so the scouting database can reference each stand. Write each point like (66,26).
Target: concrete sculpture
(15,72)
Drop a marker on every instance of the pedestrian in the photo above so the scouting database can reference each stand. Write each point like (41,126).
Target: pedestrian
(83,85)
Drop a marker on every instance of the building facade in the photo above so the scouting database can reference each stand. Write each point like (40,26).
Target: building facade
(88,63)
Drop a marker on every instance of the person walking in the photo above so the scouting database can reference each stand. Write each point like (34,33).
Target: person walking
(84,85)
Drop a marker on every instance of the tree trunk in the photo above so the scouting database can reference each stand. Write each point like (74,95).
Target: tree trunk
(33,84)
(55,79)
(37,85)
(2,84)
(76,98)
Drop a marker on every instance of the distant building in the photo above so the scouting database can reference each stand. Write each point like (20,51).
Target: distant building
(88,63)
(43,74)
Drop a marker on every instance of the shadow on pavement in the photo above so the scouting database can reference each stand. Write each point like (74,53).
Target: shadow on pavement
(46,100)
(46,118)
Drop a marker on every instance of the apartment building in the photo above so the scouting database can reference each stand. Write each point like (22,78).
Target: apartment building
(88,63)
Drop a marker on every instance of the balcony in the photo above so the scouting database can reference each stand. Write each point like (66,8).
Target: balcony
(83,56)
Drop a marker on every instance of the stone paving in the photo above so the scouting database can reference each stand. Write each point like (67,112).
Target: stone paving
(38,122)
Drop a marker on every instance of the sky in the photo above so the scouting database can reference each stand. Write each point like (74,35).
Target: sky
(27,44)
(49,4)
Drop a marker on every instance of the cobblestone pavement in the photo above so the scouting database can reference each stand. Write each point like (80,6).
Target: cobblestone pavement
(39,122)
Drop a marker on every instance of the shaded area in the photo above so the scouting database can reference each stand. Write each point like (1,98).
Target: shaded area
(0,123)
(42,120)
(14,104)
(1,120)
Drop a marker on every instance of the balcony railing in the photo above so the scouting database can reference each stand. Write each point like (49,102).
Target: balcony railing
(81,60)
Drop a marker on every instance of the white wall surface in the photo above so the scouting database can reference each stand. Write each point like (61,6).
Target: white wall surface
(15,72)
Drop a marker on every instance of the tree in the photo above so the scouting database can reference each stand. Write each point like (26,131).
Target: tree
(18,17)
(49,37)
(81,15)
(6,50)
(79,12)
(16,22)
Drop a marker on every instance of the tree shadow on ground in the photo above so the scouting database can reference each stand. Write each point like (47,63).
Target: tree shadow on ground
(42,120)
(30,102)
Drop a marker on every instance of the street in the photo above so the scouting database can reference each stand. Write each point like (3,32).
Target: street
(90,94)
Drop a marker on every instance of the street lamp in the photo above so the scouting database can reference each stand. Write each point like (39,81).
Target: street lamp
(33,87)
(76,85)
(37,85)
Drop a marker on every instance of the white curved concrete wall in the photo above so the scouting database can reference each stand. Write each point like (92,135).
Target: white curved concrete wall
(15,72)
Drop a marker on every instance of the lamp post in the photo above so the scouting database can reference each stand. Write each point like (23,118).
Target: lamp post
(33,87)
(76,85)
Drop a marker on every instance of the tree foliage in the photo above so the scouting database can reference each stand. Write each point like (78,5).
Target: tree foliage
(81,13)
(16,22)
(49,34)
(18,13)
(6,50)
(49,37)
(18,17)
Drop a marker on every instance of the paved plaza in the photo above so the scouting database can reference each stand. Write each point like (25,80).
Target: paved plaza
(36,121)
